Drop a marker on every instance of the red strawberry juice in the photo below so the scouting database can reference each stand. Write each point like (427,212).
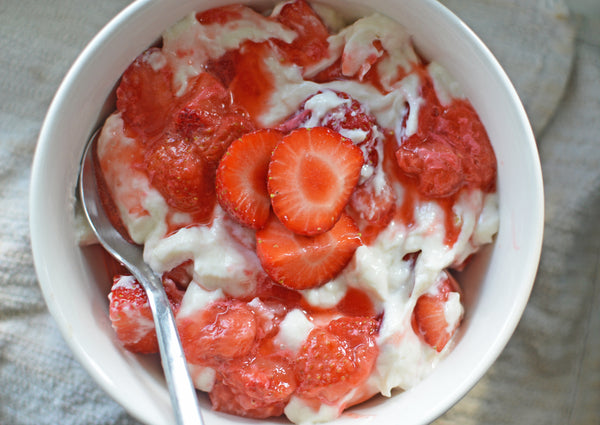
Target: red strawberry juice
(305,189)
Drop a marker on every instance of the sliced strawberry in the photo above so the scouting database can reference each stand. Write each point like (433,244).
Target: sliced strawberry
(302,262)
(242,177)
(131,315)
(349,117)
(429,317)
(145,96)
(257,387)
(311,177)
(335,360)
(223,331)
(352,116)
(182,176)
(311,45)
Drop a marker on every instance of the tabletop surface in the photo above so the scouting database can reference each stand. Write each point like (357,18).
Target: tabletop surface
(549,373)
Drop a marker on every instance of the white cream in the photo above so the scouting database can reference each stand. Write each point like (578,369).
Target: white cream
(321,104)
(220,261)
(301,413)
(327,295)
(142,208)
(293,331)
(488,222)
(203,377)
(446,87)
(453,311)
(359,51)
(196,299)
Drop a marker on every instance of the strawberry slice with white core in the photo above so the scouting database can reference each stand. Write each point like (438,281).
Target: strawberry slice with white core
(438,314)
(304,262)
(242,177)
(312,175)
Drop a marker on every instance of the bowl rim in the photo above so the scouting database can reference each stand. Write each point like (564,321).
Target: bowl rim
(37,182)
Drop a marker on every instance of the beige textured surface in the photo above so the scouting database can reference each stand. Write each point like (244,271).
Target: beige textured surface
(550,370)
(533,40)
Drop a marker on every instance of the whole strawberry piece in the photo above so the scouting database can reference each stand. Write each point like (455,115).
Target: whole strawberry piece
(312,175)
(303,262)
(209,119)
(430,320)
(223,331)
(311,45)
(145,96)
(242,177)
(335,360)
(131,316)
(257,386)
(450,150)
(181,175)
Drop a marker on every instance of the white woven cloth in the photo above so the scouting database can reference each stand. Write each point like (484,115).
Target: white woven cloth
(550,370)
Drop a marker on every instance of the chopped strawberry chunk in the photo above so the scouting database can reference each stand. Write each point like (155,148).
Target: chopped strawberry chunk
(257,387)
(311,45)
(224,67)
(200,109)
(242,177)
(220,15)
(450,149)
(474,147)
(356,303)
(145,96)
(435,165)
(131,315)
(181,275)
(311,177)
(209,119)
(429,317)
(182,176)
(223,331)
(252,81)
(374,201)
(334,361)
(302,262)
(332,73)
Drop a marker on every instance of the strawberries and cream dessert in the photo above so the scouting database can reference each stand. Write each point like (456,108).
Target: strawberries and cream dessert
(305,187)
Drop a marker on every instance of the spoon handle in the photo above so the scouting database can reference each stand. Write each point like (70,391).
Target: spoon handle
(183,394)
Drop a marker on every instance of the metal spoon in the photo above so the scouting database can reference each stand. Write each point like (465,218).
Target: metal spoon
(182,392)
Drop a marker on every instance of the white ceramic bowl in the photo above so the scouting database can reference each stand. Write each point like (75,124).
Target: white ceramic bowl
(497,284)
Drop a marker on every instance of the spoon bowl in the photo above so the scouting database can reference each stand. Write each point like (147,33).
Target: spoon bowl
(181,390)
